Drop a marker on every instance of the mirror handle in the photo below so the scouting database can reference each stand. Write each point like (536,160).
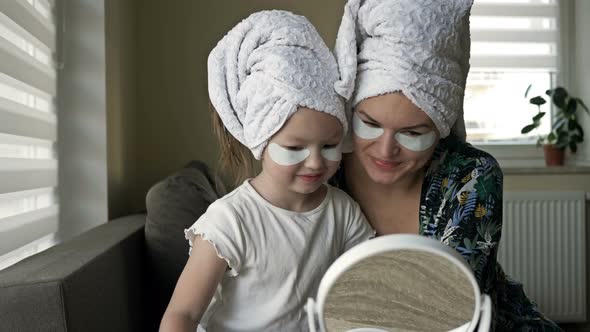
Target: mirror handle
(485,319)
(310,308)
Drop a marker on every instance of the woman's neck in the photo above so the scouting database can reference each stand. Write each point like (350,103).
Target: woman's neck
(390,208)
(281,197)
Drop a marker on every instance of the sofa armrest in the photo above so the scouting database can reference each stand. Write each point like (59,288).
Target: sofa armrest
(93,282)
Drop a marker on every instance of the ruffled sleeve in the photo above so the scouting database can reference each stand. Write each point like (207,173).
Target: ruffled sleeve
(221,227)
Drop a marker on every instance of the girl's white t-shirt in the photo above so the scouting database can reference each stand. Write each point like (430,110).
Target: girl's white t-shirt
(276,257)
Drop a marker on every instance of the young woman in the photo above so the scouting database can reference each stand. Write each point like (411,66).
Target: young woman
(405,64)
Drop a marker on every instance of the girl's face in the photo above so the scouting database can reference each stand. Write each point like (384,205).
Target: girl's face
(305,153)
(392,137)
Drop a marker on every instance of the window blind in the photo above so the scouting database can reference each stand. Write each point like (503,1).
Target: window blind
(28,123)
(514,34)
(514,43)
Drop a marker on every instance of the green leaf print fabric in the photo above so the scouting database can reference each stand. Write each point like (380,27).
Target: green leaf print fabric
(461,206)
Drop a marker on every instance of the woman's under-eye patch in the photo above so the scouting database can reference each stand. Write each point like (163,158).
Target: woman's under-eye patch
(362,130)
(416,143)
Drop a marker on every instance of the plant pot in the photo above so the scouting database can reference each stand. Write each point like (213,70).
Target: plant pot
(553,156)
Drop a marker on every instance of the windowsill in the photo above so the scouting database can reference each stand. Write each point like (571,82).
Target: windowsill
(28,250)
(39,245)
(527,159)
(538,167)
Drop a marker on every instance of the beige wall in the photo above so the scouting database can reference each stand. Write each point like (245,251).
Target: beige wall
(121,115)
(581,60)
(173,41)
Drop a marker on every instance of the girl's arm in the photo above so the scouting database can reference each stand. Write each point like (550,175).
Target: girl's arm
(194,289)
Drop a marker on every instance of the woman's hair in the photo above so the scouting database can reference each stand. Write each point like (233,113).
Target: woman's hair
(235,159)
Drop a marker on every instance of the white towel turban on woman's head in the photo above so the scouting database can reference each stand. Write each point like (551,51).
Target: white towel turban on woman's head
(266,67)
(418,47)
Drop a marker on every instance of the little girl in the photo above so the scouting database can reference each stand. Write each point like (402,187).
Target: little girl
(259,252)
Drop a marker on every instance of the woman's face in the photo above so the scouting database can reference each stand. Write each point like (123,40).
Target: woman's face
(392,138)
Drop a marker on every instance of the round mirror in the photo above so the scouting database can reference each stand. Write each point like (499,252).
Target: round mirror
(398,283)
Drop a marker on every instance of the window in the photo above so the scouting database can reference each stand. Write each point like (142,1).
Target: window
(28,127)
(514,43)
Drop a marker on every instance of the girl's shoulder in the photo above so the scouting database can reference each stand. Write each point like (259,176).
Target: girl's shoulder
(242,194)
(338,195)
(230,205)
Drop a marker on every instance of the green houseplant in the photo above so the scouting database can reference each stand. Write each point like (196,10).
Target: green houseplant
(566,131)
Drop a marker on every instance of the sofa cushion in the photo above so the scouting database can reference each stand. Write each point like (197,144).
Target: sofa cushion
(173,205)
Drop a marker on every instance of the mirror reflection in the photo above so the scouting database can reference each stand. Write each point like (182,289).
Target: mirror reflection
(402,290)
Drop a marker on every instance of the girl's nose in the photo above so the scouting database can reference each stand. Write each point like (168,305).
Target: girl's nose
(315,160)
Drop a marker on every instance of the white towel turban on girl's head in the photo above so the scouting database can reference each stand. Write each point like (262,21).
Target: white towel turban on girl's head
(263,69)
(418,47)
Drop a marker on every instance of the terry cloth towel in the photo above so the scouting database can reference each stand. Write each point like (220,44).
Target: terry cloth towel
(264,68)
(418,47)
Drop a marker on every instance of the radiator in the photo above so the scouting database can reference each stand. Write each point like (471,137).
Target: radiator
(543,246)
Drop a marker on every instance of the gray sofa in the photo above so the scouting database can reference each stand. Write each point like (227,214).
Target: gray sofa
(116,277)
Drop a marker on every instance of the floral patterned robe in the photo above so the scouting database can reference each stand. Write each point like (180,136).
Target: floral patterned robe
(461,206)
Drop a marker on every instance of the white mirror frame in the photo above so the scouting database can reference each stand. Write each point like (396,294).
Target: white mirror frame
(388,243)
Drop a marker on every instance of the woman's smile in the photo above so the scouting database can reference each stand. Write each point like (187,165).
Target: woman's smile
(385,165)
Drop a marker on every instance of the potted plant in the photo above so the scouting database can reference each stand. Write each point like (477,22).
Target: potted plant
(566,131)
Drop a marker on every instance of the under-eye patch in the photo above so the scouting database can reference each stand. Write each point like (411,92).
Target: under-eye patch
(286,157)
(416,143)
(362,130)
(333,153)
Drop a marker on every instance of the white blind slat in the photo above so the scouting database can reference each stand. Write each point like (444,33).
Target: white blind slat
(23,12)
(16,164)
(17,203)
(529,63)
(25,140)
(44,7)
(26,95)
(24,228)
(17,195)
(26,174)
(24,40)
(19,65)
(20,120)
(514,36)
(23,147)
(515,10)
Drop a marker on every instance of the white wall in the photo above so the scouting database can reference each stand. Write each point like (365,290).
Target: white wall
(581,74)
(81,117)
